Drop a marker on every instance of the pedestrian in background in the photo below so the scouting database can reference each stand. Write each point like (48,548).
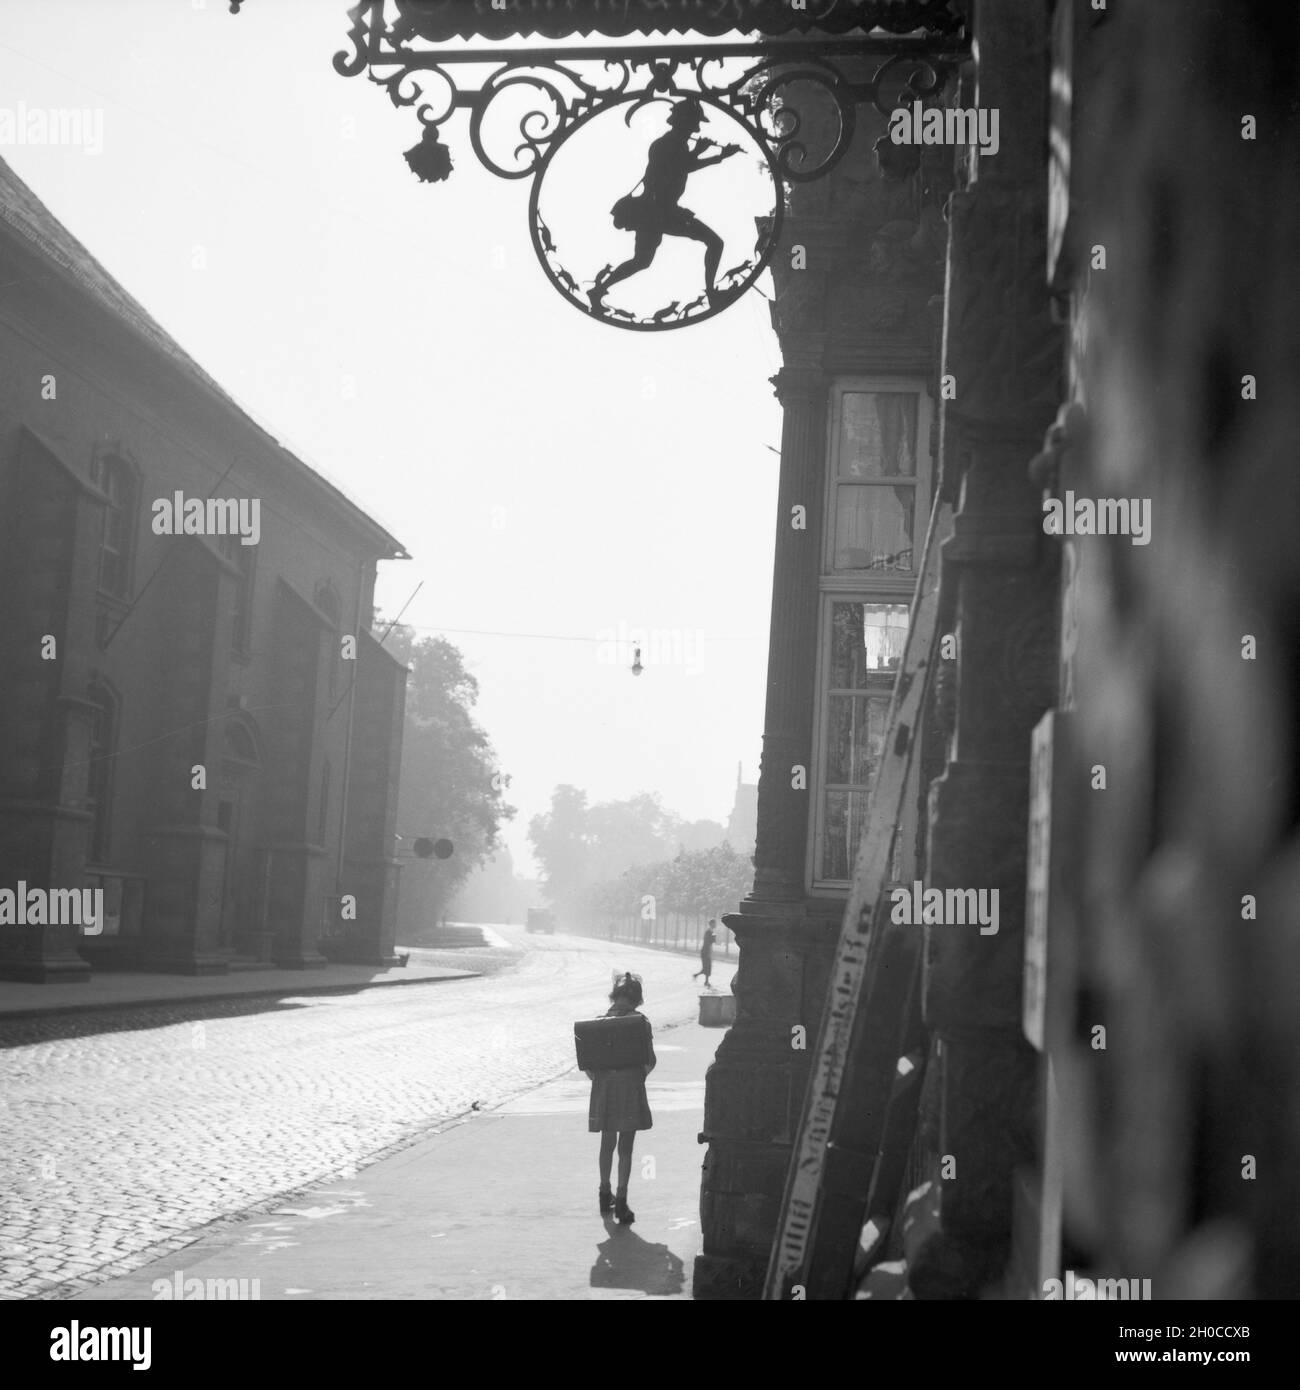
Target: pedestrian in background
(706,953)
(619,1106)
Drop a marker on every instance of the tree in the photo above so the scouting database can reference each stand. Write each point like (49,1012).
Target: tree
(694,884)
(578,845)
(451,787)
(699,834)
(559,841)
(601,859)
(635,831)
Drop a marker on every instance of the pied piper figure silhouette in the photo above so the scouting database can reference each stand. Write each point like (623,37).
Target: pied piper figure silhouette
(657,212)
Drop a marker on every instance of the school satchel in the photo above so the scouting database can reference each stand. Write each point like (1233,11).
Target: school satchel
(609,1044)
(628,213)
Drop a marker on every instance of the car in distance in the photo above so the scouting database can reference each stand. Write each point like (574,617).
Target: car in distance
(540,919)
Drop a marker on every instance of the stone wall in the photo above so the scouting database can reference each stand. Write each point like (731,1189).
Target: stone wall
(1002,356)
(78,384)
(857,274)
(1180,1132)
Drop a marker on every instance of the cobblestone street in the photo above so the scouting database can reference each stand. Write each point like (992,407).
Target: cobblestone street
(122,1141)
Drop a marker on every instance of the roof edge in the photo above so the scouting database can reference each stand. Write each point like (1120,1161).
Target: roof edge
(96,285)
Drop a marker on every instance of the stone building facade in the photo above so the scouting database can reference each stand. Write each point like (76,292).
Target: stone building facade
(1003,350)
(859,283)
(183,722)
(1111,1081)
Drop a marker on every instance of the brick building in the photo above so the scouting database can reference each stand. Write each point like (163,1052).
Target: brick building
(183,721)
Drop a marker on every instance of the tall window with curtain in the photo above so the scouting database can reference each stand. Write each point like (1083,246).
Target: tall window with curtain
(874,486)
(878,465)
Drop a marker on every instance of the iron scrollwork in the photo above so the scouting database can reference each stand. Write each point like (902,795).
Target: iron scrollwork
(524,104)
(569,89)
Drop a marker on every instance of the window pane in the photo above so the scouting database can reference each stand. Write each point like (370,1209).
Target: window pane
(874,527)
(241,556)
(855,737)
(866,642)
(845,817)
(115,541)
(117,482)
(239,631)
(239,743)
(877,434)
(844,824)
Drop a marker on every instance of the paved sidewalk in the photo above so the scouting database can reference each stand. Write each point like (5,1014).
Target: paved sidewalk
(126,988)
(501,1205)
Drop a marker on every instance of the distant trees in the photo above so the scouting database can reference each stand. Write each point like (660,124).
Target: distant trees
(695,883)
(562,846)
(586,849)
(450,787)
(635,831)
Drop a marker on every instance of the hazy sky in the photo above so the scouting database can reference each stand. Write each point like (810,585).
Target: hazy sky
(554,478)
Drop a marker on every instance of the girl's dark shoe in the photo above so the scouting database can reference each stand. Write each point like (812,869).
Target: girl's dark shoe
(623,1214)
(606,1200)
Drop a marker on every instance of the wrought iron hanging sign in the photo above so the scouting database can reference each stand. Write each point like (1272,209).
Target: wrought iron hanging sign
(679,245)
(657,171)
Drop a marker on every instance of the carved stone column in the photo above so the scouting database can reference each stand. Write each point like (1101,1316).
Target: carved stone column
(754,1090)
(792,649)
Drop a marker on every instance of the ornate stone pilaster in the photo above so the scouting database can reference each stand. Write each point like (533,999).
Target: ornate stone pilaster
(754,1090)
(792,650)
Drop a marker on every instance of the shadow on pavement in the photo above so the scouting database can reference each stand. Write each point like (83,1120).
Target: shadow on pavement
(625,1261)
(26,1029)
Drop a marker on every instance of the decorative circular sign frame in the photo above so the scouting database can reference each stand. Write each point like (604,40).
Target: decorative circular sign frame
(673,315)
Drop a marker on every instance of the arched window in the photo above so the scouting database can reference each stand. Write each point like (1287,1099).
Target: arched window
(240,742)
(117,482)
(243,558)
(103,750)
(327,600)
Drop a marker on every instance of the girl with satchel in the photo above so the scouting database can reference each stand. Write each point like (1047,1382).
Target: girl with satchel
(619,1106)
